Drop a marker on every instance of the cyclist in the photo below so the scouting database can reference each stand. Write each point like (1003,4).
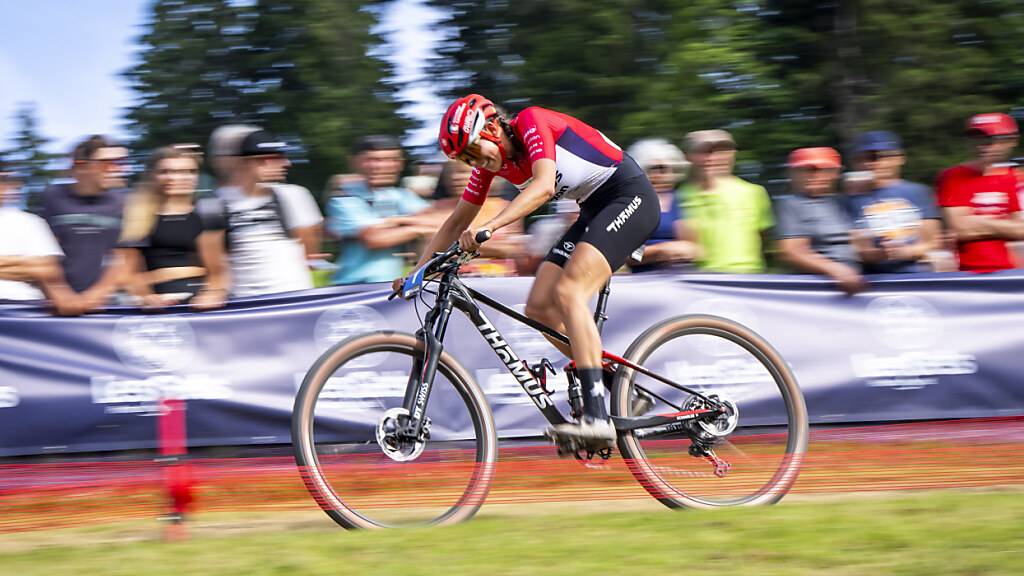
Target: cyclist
(548,155)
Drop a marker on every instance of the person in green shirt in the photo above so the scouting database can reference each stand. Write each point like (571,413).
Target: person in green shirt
(727,216)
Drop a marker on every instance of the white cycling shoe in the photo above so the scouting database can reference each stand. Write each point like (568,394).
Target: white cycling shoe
(588,434)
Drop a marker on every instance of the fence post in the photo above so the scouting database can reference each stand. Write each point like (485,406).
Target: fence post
(177,475)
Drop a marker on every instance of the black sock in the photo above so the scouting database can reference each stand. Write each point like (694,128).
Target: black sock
(593,393)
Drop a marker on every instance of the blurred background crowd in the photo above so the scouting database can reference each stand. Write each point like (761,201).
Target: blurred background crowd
(269,157)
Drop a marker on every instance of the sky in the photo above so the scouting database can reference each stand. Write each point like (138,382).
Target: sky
(66,56)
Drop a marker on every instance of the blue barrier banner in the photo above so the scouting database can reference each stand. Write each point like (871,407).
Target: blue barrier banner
(913,347)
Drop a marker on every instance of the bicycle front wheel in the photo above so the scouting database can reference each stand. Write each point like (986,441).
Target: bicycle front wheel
(763,444)
(356,472)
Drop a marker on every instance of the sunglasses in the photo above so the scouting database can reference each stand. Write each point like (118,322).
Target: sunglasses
(178,172)
(876,155)
(659,168)
(715,147)
(986,140)
(815,169)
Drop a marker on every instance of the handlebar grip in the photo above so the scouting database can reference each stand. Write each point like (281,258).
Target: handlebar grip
(483,236)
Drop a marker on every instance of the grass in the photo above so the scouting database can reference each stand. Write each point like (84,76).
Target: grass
(933,533)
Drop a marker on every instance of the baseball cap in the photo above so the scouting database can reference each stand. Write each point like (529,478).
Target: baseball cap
(261,143)
(821,157)
(704,138)
(877,141)
(992,124)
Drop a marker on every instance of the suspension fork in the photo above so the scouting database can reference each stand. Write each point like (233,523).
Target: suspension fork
(421,378)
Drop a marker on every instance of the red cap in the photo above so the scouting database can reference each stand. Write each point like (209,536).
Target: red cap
(822,157)
(994,124)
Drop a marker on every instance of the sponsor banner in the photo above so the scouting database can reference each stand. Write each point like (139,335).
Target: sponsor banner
(914,347)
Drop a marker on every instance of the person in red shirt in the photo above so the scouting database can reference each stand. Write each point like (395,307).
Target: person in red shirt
(979,197)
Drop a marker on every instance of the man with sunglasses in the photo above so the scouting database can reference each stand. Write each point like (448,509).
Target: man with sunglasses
(728,217)
(979,197)
(897,223)
(85,216)
(813,225)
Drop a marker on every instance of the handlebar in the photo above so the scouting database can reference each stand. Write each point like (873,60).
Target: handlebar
(440,258)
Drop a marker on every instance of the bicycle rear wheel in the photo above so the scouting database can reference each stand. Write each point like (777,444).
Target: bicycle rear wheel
(356,472)
(714,356)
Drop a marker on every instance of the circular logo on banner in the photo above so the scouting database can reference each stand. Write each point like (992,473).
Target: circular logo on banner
(905,322)
(344,321)
(163,344)
(731,310)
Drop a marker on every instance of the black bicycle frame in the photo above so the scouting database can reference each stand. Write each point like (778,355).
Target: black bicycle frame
(453,294)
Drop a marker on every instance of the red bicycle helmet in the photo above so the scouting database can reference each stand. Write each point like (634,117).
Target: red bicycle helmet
(463,124)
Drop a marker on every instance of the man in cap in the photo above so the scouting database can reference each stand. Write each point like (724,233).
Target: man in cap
(271,227)
(897,223)
(979,197)
(813,226)
(726,216)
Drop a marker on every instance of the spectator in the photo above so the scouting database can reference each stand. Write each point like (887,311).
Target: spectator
(672,242)
(979,197)
(29,254)
(897,223)
(373,218)
(729,217)
(813,226)
(223,150)
(174,258)
(271,228)
(85,216)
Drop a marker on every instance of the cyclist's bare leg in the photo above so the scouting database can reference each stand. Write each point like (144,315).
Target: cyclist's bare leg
(542,306)
(585,273)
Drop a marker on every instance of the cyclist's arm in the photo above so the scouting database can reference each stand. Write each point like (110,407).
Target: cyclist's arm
(540,190)
(457,221)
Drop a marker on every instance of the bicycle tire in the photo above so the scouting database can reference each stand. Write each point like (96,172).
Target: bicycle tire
(648,474)
(304,442)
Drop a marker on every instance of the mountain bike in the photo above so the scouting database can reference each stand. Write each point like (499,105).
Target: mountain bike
(389,429)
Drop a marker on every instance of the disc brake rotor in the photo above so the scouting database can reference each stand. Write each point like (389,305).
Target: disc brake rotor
(398,448)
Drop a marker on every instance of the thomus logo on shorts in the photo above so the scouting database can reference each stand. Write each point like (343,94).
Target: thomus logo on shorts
(913,329)
(160,348)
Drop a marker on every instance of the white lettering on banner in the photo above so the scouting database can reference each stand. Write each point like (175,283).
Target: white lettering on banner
(911,370)
(737,376)
(142,396)
(624,215)
(514,364)
(9,397)
(910,325)
(360,390)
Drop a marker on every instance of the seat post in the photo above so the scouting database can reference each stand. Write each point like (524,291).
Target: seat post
(602,304)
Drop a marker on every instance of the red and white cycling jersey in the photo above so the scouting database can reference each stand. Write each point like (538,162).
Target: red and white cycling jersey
(584,157)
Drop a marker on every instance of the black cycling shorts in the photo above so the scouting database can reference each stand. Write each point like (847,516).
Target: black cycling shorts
(616,219)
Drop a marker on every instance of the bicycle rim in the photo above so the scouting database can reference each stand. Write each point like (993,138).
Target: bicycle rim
(715,356)
(338,412)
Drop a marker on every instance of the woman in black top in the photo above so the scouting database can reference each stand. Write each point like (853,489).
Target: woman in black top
(173,255)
